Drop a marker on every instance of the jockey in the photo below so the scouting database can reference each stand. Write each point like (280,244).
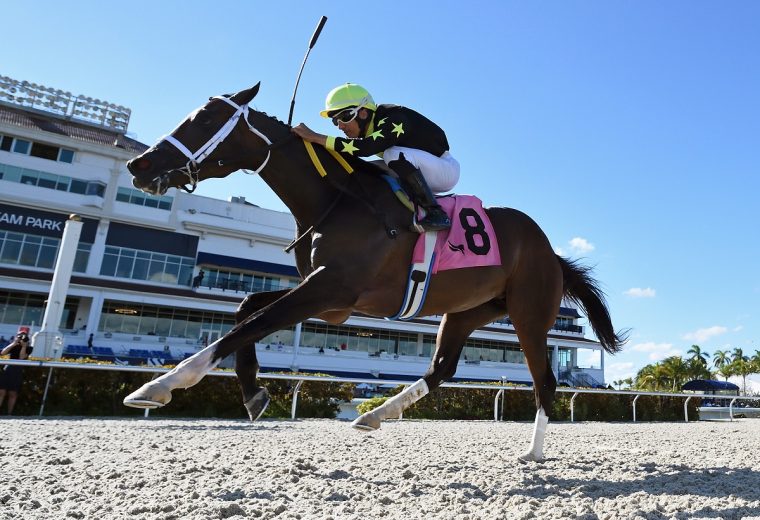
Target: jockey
(414,147)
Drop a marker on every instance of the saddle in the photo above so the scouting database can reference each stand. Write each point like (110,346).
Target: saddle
(470,242)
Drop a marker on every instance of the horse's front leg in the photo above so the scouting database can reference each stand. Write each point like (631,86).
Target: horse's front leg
(255,398)
(452,334)
(319,292)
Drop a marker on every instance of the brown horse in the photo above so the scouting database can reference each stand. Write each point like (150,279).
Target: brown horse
(354,257)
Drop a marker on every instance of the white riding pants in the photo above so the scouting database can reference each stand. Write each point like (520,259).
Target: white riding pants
(441,173)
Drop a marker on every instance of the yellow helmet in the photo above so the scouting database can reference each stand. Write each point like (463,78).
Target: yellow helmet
(348,95)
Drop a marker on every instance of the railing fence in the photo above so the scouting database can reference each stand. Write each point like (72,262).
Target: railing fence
(500,389)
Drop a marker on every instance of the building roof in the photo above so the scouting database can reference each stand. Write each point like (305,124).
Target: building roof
(38,120)
(705,385)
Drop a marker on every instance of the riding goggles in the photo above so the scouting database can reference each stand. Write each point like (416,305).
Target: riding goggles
(345,116)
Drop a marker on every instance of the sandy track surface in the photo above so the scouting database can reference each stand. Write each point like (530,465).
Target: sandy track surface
(203,469)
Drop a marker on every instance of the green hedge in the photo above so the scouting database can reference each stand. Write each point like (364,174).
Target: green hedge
(84,392)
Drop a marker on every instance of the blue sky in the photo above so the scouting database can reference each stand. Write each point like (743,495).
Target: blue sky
(627,130)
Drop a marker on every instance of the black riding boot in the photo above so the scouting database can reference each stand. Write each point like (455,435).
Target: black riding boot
(412,179)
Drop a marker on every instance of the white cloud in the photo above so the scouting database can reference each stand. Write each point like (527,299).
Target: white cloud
(638,292)
(651,346)
(738,328)
(619,370)
(657,351)
(559,251)
(702,335)
(581,245)
(659,356)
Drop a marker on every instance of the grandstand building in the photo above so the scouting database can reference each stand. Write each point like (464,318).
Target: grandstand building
(157,278)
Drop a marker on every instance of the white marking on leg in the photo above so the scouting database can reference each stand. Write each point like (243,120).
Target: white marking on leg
(393,407)
(190,371)
(536,450)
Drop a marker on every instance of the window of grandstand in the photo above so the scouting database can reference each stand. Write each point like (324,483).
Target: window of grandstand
(240,281)
(357,339)
(51,181)
(36,149)
(136,318)
(481,350)
(121,262)
(37,251)
(487,350)
(131,196)
(28,309)
(563,324)
(567,324)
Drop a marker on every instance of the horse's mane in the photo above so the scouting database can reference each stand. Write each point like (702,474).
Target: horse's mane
(359,164)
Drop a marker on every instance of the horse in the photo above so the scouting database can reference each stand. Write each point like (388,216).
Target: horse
(353,251)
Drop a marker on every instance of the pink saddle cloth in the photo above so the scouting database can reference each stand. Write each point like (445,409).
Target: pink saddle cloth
(471,241)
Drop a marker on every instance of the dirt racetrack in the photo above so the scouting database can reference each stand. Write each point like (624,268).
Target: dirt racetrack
(204,469)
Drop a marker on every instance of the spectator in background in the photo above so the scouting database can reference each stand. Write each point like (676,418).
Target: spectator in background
(198,279)
(12,376)
(89,340)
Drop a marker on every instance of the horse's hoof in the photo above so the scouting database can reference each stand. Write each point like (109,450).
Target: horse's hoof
(368,422)
(531,457)
(150,395)
(257,404)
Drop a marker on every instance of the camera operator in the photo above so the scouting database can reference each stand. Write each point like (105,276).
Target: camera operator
(12,376)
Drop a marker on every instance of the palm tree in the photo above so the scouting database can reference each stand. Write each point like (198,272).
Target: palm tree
(646,378)
(721,358)
(697,369)
(743,367)
(617,383)
(726,370)
(628,382)
(738,354)
(654,377)
(676,369)
(696,353)
(756,360)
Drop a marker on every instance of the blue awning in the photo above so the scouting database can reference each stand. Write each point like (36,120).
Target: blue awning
(707,385)
(245,264)
(568,312)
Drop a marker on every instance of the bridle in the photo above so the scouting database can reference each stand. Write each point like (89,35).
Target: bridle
(191,169)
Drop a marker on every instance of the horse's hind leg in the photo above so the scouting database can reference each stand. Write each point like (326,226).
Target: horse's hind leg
(532,324)
(255,398)
(453,332)
(544,386)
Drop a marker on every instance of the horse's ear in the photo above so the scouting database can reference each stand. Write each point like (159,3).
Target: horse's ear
(246,96)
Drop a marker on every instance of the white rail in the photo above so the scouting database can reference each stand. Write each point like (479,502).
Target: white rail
(499,388)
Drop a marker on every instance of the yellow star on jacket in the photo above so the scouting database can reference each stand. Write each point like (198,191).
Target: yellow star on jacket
(349,148)
(392,125)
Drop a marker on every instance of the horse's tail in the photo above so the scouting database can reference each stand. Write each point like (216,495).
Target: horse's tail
(582,289)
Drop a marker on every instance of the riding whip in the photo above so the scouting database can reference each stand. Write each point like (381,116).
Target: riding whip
(298,79)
